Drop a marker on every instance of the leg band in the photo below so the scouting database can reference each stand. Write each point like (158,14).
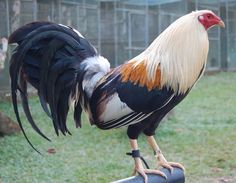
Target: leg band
(136,154)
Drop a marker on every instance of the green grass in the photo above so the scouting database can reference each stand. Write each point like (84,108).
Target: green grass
(201,135)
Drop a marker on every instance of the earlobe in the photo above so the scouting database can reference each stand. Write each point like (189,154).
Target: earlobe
(202,20)
(201,17)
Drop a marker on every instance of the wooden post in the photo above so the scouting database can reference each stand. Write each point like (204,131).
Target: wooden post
(177,176)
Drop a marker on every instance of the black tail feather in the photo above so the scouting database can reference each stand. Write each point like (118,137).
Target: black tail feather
(25,104)
(77,115)
(14,89)
(48,56)
(19,35)
(49,52)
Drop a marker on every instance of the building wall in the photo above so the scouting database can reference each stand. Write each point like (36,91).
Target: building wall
(122,29)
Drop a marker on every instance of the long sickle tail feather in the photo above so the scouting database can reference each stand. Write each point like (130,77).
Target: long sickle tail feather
(49,57)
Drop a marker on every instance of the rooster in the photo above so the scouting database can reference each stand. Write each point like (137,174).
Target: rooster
(66,69)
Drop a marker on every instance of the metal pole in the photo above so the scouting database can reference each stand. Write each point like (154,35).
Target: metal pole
(77,16)
(99,26)
(8,18)
(223,40)
(177,176)
(129,35)
(227,34)
(59,11)
(196,4)
(115,34)
(52,11)
(159,19)
(146,24)
(35,7)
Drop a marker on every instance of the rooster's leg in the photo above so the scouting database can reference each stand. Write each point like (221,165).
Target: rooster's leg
(161,160)
(138,167)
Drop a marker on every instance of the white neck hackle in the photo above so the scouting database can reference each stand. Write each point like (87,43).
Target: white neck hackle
(180,52)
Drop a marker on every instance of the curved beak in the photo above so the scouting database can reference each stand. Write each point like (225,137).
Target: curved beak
(221,24)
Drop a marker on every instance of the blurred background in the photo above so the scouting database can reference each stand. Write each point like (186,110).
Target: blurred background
(200,133)
(119,29)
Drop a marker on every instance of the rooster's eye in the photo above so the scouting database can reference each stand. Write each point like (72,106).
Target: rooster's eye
(209,16)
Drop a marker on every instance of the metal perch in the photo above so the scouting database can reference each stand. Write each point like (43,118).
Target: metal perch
(176,177)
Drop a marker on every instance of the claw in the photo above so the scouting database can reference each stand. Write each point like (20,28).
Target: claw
(168,165)
(178,165)
(157,172)
(160,157)
(138,168)
(143,172)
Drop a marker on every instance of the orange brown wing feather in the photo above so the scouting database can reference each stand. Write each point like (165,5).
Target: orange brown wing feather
(137,74)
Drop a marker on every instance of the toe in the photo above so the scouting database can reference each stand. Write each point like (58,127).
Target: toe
(157,172)
(167,166)
(143,174)
(178,165)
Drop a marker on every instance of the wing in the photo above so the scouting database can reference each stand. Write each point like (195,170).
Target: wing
(140,99)
(117,103)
